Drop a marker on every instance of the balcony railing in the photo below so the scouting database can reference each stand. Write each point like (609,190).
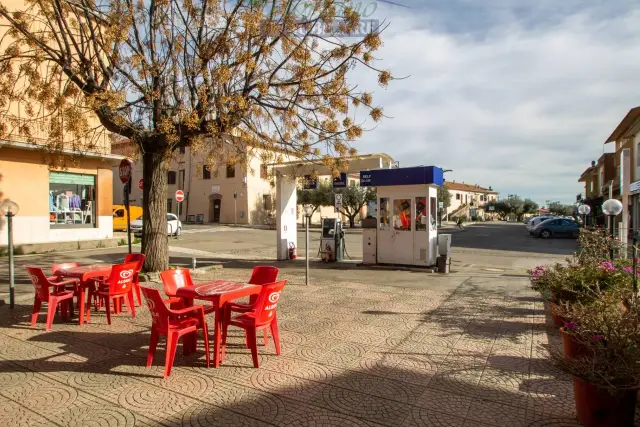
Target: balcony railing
(35,132)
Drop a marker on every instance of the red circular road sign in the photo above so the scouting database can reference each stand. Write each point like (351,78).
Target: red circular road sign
(179,195)
(140,184)
(124,170)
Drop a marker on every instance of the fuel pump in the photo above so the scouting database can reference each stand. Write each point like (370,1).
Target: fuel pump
(332,240)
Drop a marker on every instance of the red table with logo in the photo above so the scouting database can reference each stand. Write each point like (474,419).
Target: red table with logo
(217,292)
(85,273)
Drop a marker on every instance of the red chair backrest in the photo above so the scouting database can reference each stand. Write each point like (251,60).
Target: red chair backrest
(263,274)
(268,301)
(139,258)
(157,308)
(175,279)
(121,278)
(40,282)
(63,266)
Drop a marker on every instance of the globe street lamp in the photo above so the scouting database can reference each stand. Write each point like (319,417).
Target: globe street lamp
(10,209)
(584,210)
(612,208)
(308,211)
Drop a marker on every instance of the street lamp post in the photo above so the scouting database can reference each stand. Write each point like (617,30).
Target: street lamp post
(308,211)
(10,209)
(584,210)
(612,208)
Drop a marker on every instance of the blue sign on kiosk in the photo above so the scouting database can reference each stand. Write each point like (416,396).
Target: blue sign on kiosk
(430,175)
(340,181)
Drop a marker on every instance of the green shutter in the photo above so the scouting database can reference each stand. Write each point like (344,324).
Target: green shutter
(71,178)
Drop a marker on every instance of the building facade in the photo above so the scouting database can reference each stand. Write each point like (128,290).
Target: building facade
(208,195)
(599,180)
(468,199)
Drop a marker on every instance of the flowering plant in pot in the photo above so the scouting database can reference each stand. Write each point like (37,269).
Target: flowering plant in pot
(606,371)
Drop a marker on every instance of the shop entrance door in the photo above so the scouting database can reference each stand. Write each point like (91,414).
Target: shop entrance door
(216,209)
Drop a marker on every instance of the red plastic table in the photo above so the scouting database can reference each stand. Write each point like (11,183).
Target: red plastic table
(218,292)
(85,273)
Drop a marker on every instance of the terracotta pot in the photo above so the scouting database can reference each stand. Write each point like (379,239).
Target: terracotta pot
(558,320)
(596,407)
(572,347)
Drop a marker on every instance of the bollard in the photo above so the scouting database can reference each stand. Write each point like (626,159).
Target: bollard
(193,263)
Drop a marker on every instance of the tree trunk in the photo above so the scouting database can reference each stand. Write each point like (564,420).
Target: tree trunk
(154,241)
(352,220)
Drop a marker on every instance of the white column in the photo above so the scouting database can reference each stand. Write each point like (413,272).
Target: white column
(285,215)
(625,183)
(432,231)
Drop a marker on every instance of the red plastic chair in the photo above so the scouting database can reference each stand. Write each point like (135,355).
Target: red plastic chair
(261,275)
(263,316)
(139,258)
(175,279)
(117,285)
(41,286)
(174,324)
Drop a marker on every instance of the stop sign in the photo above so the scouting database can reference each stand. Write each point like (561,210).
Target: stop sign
(124,170)
(140,184)
(179,195)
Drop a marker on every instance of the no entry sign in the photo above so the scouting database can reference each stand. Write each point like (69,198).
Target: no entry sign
(179,195)
(124,170)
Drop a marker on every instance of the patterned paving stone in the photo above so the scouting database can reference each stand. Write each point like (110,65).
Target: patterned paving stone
(363,406)
(421,417)
(16,414)
(378,386)
(496,414)
(206,415)
(313,416)
(440,401)
(284,385)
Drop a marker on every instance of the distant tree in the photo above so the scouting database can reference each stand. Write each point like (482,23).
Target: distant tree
(530,206)
(321,196)
(560,209)
(354,198)
(516,206)
(444,197)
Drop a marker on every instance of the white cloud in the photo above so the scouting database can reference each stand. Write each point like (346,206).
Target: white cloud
(522,108)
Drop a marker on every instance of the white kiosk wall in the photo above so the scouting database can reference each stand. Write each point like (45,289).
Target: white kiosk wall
(286,200)
(407,232)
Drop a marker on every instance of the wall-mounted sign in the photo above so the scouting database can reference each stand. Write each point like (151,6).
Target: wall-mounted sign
(634,186)
(338,203)
(310,182)
(340,181)
(402,176)
(215,189)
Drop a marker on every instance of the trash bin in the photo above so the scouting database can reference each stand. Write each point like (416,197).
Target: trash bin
(444,264)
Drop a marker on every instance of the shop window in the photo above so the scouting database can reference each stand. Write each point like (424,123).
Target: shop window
(169,205)
(171,177)
(72,200)
(264,174)
(385,214)
(402,214)
(421,214)
(231,170)
(206,172)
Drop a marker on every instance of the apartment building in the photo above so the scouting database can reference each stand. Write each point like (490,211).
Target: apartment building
(599,180)
(230,194)
(468,199)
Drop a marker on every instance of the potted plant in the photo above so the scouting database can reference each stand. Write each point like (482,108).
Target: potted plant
(606,367)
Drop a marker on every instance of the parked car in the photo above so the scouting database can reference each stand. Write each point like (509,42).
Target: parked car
(556,227)
(120,216)
(537,220)
(174,226)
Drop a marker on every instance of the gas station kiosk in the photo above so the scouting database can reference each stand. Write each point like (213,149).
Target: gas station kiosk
(406,231)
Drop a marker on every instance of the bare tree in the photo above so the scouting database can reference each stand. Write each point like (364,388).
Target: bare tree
(221,77)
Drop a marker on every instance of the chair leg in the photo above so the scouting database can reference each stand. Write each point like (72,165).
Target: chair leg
(172,344)
(36,310)
(71,307)
(130,303)
(153,343)
(107,304)
(51,312)
(206,343)
(253,342)
(266,337)
(137,287)
(276,335)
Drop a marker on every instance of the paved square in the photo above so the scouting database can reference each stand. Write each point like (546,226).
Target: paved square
(353,354)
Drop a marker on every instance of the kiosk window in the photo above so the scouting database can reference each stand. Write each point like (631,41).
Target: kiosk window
(402,214)
(385,217)
(421,214)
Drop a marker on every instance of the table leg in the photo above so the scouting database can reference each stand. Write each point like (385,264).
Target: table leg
(216,337)
(81,316)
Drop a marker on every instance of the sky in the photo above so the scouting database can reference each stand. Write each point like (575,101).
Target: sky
(519,95)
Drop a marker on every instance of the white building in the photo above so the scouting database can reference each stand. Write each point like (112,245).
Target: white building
(467,197)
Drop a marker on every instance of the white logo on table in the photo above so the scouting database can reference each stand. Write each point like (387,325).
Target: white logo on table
(34,279)
(125,274)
